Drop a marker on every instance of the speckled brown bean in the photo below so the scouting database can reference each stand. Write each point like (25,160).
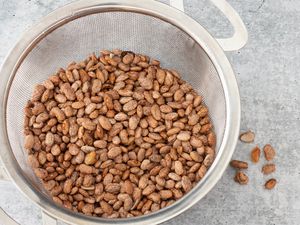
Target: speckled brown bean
(33,161)
(85,169)
(114,152)
(178,168)
(49,140)
(239,164)
(37,92)
(29,141)
(148,190)
(268,168)
(73,149)
(241,178)
(88,209)
(41,173)
(186,183)
(55,150)
(269,152)
(42,157)
(166,194)
(68,186)
(106,207)
(270,184)
(104,122)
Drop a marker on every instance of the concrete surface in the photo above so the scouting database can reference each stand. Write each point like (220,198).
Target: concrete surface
(267,70)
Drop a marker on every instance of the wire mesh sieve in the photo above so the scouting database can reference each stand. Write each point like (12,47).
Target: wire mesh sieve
(140,33)
(147,27)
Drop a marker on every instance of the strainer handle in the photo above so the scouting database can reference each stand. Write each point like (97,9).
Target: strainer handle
(48,220)
(240,36)
(6,219)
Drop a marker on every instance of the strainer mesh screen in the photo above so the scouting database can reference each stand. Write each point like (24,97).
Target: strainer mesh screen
(140,33)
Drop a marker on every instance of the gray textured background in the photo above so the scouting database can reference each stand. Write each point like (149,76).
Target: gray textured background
(267,70)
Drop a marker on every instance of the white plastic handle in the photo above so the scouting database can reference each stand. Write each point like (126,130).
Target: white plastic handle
(177,4)
(240,36)
(6,219)
(3,174)
(48,220)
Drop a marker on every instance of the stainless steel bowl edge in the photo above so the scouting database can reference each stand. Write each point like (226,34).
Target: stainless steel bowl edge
(156,9)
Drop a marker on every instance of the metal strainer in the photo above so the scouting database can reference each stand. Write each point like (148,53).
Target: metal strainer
(73,32)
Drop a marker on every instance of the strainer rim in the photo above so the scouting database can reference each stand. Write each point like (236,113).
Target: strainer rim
(159,10)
